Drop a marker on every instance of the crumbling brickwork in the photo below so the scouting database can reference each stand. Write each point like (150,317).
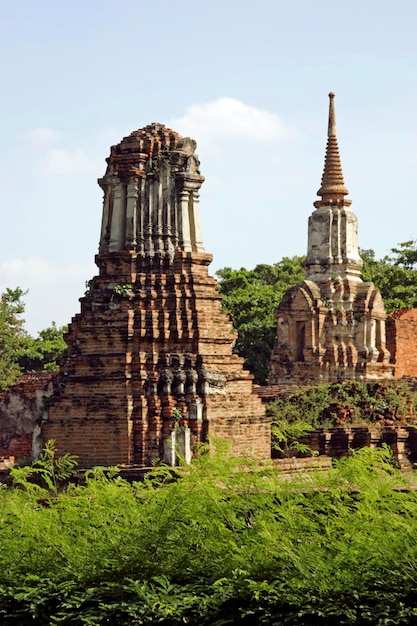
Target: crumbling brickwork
(336,443)
(402,341)
(320,340)
(22,409)
(151,349)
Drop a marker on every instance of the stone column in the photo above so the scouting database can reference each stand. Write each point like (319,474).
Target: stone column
(196,234)
(185,234)
(131,214)
(336,234)
(373,350)
(178,444)
(147,222)
(117,219)
(165,196)
(105,218)
(156,216)
(140,221)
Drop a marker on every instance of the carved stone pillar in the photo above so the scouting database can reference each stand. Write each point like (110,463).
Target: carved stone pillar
(185,231)
(117,219)
(132,194)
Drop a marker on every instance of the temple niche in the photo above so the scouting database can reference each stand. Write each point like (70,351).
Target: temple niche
(150,367)
(331,326)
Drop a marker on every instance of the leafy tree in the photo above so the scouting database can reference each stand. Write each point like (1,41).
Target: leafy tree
(395,275)
(12,335)
(44,352)
(251,298)
(19,352)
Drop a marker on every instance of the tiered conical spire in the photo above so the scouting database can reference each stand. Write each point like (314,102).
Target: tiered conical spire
(332,325)
(332,228)
(332,190)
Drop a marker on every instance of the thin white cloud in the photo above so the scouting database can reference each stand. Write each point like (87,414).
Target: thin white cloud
(53,289)
(43,136)
(229,118)
(68,162)
(54,159)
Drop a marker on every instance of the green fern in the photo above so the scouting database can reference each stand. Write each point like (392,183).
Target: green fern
(52,469)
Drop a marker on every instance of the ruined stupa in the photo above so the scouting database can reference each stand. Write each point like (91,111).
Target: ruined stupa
(331,326)
(150,354)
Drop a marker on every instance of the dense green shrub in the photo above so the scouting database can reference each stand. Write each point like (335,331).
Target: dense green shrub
(226,541)
(349,402)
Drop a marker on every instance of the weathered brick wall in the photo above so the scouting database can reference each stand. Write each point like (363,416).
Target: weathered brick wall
(133,361)
(152,347)
(402,341)
(22,409)
(339,442)
(236,418)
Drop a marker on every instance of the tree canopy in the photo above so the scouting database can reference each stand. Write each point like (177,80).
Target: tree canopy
(19,352)
(12,335)
(395,275)
(44,351)
(251,298)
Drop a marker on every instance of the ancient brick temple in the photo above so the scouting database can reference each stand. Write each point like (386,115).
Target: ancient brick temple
(150,354)
(332,325)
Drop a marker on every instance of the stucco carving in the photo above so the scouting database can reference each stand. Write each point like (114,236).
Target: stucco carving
(334,322)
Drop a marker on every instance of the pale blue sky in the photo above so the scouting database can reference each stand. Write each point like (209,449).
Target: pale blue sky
(248,80)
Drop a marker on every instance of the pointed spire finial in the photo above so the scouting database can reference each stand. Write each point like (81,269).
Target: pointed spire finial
(332,190)
(332,117)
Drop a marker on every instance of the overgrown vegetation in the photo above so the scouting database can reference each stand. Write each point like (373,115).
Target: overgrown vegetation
(48,473)
(345,403)
(228,542)
(287,438)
